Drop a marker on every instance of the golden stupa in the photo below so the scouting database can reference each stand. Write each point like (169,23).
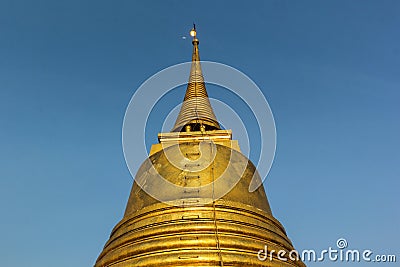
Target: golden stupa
(204,214)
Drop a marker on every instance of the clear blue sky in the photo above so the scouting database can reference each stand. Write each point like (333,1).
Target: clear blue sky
(329,69)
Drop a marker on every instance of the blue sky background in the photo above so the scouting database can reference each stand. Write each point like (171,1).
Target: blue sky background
(329,69)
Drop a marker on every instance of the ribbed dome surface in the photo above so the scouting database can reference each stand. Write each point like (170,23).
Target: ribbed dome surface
(194,227)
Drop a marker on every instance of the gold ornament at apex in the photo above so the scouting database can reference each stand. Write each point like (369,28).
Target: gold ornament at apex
(202,214)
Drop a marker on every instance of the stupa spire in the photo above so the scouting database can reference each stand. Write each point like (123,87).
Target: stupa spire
(196,112)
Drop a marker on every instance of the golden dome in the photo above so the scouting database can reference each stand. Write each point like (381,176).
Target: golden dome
(190,204)
(188,228)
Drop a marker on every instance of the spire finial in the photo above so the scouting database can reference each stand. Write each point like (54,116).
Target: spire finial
(193,33)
